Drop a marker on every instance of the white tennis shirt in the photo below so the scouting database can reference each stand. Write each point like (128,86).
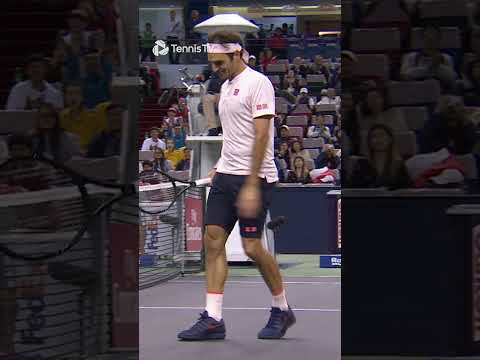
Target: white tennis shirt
(249,95)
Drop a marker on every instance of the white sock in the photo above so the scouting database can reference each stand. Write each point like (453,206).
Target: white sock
(280,301)
(214,305)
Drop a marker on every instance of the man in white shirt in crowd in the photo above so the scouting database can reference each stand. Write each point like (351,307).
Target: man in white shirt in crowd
(329,96)
(29,94)
(430,62)
(174,35)
(242,186)
(153,141)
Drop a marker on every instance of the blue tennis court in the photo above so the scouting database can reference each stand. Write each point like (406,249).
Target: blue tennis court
(169,307)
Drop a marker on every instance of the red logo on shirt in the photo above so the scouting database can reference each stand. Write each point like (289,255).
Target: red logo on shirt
(250,229)
(235,92)
(264,106)
(259,107)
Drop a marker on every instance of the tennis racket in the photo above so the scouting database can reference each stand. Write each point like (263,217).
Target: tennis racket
(47,207)
(163,196)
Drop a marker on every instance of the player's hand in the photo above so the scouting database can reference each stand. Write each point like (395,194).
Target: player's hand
(211,173)
(248,202)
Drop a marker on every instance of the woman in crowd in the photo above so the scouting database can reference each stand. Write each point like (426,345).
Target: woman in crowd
(470,87)
(383,167)
(374,111)
(49,139)
(298,150)
(160,163)
(299,172)
(284,154)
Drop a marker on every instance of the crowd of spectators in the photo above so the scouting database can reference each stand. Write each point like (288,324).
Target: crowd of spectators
(70,90)
(166,143)
(410,99)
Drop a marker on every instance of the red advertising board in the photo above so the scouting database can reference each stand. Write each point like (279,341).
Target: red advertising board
(124,258)
(194,223)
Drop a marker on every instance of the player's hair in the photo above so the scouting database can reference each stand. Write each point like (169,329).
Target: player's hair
(225,37)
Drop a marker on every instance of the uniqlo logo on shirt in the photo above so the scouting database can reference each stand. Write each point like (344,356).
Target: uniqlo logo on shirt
(264,106)
(235,92)
(259,107)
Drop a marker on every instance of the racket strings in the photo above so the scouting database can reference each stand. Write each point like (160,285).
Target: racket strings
(39,197)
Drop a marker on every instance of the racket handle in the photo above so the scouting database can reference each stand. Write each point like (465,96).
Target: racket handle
(203,182)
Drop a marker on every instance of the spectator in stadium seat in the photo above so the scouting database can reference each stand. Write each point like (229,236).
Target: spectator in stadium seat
(147,42)
(96,83)
(49,139)
(172,119)
(430,62)
(55,66)
(284,133)
(252,62)
(329,96)
(160,163)
(337,138)
(383,167)
(299,172)
(283,153)
(318,129)
(183,109)
(298,150)
(319,67)
(184,164)
(470,87)
(449,128)
(108,142)
(328,158)
(154,140)
(348,80)
(147,169)
(178,136)
(374,111)
(304,98)
(77,23)
(173,154)
(79,120)
(285,30)
(29,94)
(268,59)
(278,44)
(350,121)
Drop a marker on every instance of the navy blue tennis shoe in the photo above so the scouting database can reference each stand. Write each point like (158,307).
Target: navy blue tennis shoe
(278,324)
(206,328)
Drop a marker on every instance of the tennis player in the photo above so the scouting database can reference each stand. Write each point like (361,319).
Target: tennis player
(242,184)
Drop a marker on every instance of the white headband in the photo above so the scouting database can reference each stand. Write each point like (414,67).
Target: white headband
(227,49)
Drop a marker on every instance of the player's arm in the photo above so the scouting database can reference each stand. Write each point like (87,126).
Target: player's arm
(262,133)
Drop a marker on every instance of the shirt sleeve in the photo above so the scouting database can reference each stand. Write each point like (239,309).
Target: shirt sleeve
(263,99)
(16,100)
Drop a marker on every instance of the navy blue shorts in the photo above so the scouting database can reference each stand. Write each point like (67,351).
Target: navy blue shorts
(222,211)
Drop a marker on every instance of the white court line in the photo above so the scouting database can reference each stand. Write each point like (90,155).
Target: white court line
(226,308)
(256,282)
